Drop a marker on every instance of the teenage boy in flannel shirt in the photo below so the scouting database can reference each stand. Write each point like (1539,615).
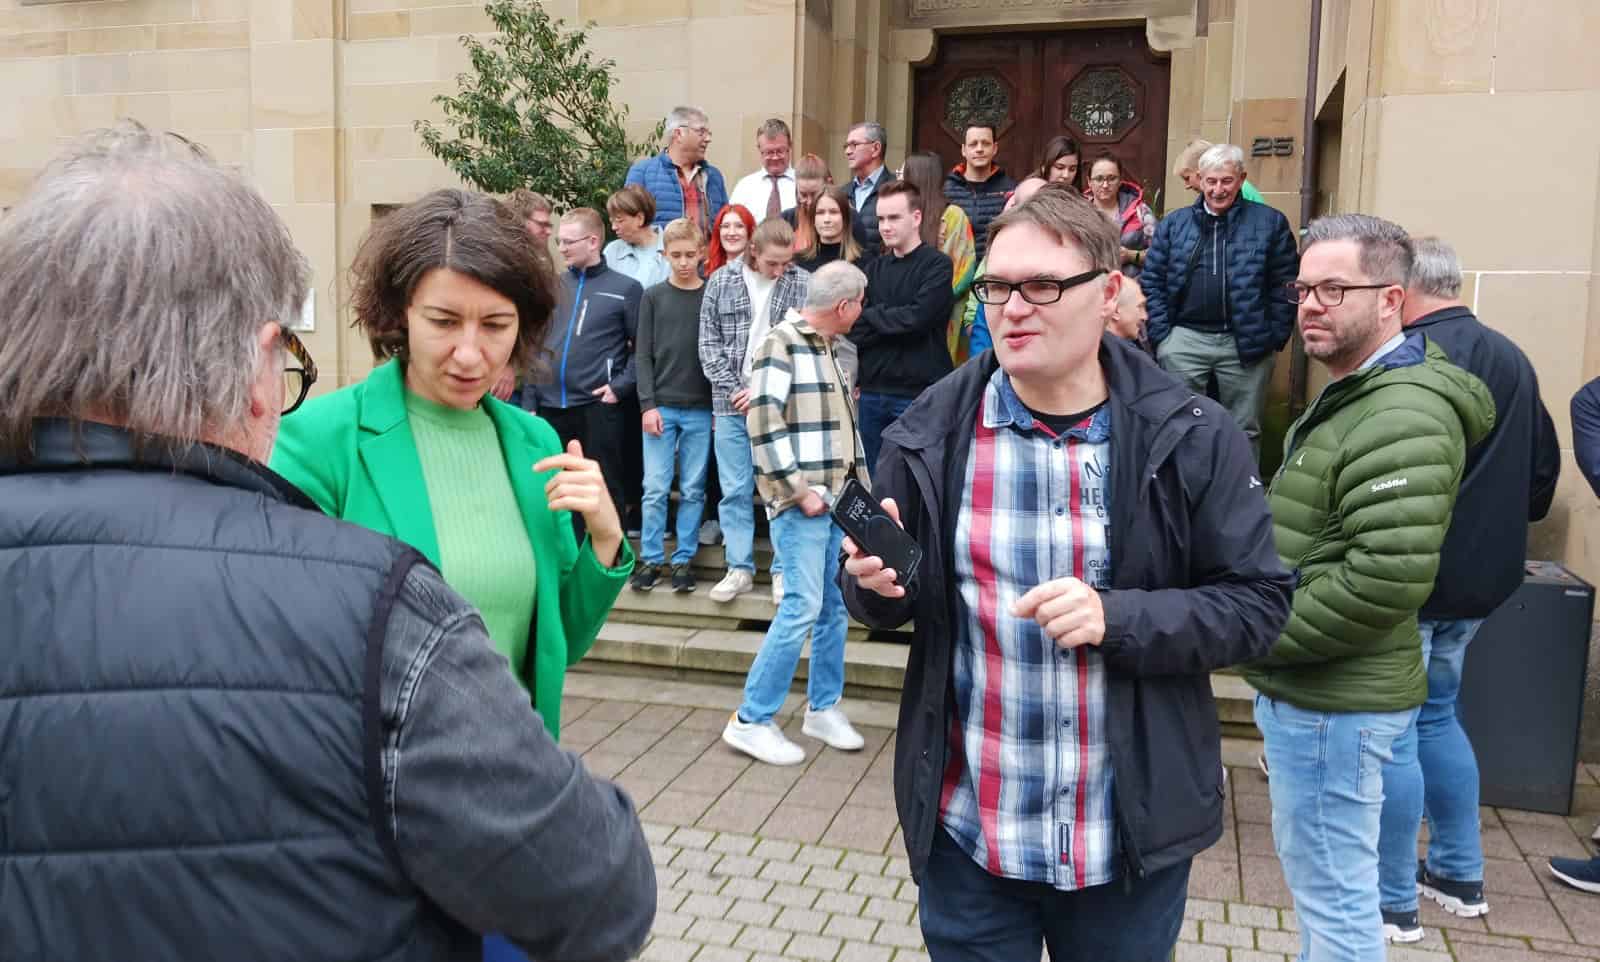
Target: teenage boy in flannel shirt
(806,446)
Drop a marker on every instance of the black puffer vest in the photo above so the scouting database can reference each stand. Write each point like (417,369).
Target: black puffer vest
(189,717)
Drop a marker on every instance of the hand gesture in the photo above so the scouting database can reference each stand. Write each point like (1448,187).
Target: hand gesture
(1067,609)
(741,400)
(605,394)
(650,422)
(868,570)
(579,487)
(812,504)
(504,385)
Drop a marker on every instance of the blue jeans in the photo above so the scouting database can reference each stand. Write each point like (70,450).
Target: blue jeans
(1327,797)
(686,433)
(736,511)
(969,915)
(811,604)
(875,413)
(1434,772)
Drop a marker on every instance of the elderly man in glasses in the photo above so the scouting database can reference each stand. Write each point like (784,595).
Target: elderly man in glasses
(236,727)
(1096,542)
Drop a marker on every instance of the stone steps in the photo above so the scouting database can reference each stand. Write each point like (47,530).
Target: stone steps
(873,669)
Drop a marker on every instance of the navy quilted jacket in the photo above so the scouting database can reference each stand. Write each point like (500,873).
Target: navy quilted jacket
(660,178)
(1260,256)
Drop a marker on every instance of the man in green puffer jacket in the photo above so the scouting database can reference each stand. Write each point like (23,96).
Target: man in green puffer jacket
(1360,509)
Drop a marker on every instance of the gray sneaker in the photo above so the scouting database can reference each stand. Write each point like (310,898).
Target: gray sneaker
(710,532)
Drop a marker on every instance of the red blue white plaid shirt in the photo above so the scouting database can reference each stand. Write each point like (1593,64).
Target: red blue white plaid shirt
(1028,790)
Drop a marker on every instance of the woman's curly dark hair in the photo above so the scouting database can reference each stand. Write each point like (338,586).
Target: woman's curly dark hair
(470,233)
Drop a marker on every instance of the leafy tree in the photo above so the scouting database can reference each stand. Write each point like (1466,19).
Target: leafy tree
(536,112)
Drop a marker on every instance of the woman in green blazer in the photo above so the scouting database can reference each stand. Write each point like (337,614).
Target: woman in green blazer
(448,291)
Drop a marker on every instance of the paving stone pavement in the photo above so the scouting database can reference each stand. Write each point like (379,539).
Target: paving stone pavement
(760,864)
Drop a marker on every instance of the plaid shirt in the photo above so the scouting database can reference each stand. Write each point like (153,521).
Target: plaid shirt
(1028,790)
(802,421)
(725,325)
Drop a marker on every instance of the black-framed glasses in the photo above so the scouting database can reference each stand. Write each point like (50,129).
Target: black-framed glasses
(297,381)
(1328,293)
(1034,290)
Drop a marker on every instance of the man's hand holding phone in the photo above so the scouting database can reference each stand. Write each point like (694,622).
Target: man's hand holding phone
(868,570)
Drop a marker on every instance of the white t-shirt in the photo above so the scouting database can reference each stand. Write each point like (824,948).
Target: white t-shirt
(760,287)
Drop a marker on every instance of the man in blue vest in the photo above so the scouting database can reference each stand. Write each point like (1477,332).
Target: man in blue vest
(679,178)
(236,728)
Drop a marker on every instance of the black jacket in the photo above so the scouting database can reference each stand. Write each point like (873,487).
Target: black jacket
(235,728)
(981,200)
(1196,586)
(1480,564)
(901,331)
(865,222)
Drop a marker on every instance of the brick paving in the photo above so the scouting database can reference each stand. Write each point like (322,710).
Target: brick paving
(757,864)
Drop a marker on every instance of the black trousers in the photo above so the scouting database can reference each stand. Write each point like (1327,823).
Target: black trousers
(601,429)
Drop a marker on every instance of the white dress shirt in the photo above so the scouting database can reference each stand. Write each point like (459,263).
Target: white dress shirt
(753,190)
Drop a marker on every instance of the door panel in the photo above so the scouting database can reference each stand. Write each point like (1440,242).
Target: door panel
(1103,86)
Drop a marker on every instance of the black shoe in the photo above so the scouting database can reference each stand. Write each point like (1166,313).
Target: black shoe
(646,577)
(1401,927)
(1464,899)
(682,578)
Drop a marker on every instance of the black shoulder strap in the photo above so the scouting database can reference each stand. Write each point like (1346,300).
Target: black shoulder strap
(374,731)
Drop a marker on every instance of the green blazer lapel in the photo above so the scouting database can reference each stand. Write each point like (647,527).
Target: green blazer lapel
(389,454)
(520,458)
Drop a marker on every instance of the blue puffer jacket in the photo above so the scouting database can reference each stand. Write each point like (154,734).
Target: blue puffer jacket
(1259,257)
(660,177)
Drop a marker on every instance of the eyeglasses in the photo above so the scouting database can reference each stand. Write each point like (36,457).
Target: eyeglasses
(1105,179)
(1328,294)
(1034,290)
(562,242)
(850,145)
(297,381)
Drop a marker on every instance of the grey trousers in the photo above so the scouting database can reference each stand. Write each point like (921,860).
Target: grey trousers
(1195,356)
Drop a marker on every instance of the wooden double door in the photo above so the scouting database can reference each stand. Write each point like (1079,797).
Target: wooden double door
(1103,87)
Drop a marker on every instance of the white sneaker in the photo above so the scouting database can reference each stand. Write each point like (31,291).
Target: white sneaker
(833,729)
(777,588)
(765,742)
(735,583)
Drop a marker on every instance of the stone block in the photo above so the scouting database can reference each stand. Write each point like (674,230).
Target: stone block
(450,21)
(292,84)
(378,25)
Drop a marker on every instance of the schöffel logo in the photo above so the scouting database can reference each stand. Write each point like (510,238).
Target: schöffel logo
(1386,485)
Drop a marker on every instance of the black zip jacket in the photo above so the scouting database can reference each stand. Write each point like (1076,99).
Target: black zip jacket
(1197,586)
(1480,564)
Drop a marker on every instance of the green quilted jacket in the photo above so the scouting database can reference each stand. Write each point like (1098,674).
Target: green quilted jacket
(1360,508)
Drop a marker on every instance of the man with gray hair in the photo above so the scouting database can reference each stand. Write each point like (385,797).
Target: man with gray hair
(1481,564)
(806,447)
(770,191)
(864,149)
(1214,276)
(1360,509)
(237,728)
(679,178)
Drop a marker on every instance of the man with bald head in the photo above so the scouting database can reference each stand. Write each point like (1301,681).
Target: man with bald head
(974,318)
(1128,317)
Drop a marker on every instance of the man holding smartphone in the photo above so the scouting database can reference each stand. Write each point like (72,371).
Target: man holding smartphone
(806,447)
(1096,541)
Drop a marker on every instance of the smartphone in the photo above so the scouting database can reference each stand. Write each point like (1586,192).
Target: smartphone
(874,532)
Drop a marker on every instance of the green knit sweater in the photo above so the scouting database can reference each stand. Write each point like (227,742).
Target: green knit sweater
(484,550)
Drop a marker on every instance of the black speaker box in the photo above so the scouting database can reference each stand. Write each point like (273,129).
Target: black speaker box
(1522,691)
